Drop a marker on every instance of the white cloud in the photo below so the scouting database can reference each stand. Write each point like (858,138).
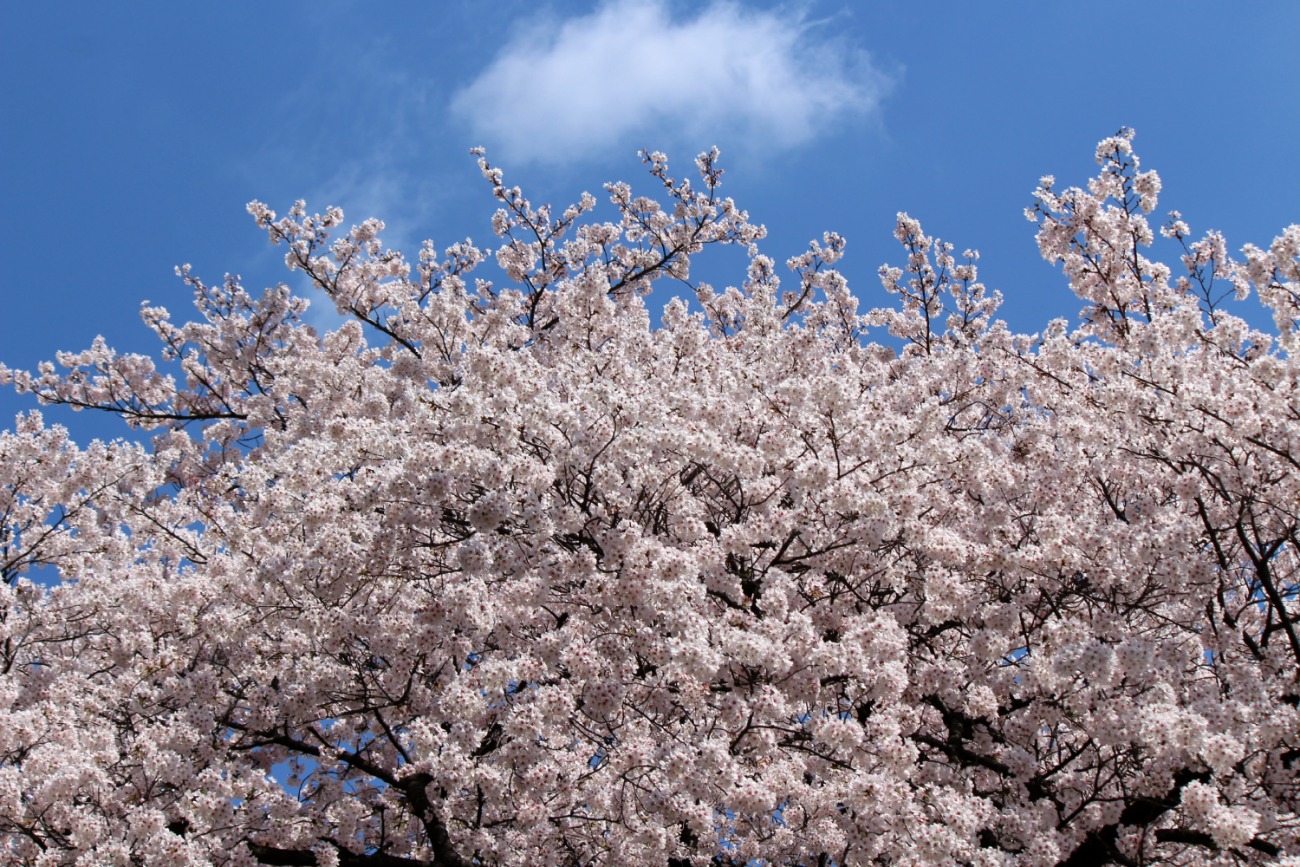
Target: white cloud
(564,90)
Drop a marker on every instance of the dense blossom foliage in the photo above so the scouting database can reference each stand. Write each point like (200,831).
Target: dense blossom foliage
(502,573)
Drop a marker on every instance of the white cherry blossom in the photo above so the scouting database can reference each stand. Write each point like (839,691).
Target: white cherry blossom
(502,572)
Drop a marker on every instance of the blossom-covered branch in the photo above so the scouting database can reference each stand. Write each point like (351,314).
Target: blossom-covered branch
(497,572)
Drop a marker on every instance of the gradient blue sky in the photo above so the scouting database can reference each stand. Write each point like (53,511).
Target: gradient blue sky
(133,134)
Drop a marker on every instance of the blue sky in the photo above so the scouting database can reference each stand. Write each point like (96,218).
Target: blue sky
(134,133)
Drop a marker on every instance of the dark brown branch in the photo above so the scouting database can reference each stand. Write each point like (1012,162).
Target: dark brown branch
(271,855)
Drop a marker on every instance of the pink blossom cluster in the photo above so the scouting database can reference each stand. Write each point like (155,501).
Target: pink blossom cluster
(498,572)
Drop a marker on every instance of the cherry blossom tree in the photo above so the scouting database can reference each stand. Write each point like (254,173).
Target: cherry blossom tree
(499,572)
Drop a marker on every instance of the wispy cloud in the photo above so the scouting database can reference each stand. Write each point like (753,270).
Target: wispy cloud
(564,90)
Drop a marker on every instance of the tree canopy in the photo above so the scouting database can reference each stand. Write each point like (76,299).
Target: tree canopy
(500,572)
